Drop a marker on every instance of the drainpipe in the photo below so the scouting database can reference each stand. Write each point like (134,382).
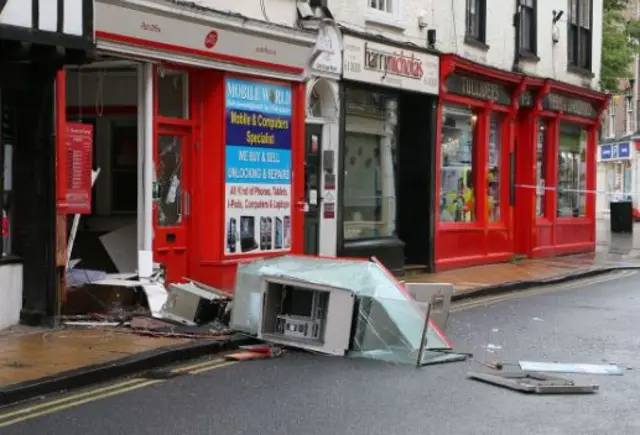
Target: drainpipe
(516,25)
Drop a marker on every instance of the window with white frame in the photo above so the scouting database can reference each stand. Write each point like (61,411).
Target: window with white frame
(384,11)
(382,5)
(612,122)
(628,113)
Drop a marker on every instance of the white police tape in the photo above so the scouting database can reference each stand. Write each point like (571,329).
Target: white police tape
(540,188)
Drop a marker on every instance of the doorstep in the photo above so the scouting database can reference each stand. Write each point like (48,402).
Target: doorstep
(44,362)
(490,279)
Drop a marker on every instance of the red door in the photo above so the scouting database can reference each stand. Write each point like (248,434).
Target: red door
(172,207)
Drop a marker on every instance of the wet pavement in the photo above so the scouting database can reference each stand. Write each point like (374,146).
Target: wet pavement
(617,247)
(612,251)
(34,354)
(317,395)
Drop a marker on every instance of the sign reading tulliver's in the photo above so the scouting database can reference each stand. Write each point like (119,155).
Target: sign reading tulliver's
(258,167)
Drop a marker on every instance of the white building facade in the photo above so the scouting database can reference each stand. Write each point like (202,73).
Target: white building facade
(454,186)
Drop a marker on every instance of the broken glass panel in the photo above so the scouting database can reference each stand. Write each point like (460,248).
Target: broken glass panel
(169,179)
(389,324)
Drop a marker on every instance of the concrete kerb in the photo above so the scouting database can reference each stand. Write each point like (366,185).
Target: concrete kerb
(129,365)
(492,290)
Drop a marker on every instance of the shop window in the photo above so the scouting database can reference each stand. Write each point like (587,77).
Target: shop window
(579,34)
(370,165)
(541,168)
(476,20)
(572,171)
(173,94)
(528,32)
(457,196)
(494,158)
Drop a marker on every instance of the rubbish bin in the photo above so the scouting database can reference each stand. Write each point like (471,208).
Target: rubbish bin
(621,216)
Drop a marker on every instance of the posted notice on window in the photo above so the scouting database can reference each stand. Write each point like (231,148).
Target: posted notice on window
(258,167)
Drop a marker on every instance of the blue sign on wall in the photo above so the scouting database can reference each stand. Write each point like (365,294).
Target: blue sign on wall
(257,166)
(615,151)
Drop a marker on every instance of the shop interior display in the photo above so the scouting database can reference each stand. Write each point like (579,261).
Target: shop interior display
(456,182)
(572,171)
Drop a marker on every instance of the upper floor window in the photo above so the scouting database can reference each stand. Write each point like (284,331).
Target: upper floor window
(612,122)
(528,33)
(382,5)
(579,34)
(386,12)
(476,20)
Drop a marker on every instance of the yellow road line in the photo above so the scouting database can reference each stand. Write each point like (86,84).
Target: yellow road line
(71,401)
(77,402)
(219,366)
(69,398)
(183,369)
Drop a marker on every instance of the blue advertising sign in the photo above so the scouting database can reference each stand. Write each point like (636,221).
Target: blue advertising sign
(257,166)
(615,151)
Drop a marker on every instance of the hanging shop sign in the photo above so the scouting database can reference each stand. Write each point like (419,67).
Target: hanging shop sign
(257,167)
(79,143)
(179,33)
(330,61)
(479,89)
(568,105)
(386,65)
(616,151)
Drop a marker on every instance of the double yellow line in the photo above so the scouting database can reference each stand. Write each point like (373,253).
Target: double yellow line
(67,402)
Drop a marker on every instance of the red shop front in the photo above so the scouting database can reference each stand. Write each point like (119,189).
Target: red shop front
(219,113)
(516,157)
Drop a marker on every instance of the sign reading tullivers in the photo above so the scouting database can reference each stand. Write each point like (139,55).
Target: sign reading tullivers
(258,167)
(381,64)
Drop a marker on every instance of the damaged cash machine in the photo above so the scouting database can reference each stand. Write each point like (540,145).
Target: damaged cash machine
(340,307)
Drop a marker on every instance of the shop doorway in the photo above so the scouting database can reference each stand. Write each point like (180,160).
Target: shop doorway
(104,95)
(313,151)
(172,212)
(415,175)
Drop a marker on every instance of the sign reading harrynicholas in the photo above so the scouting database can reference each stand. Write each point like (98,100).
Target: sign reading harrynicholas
(386,65)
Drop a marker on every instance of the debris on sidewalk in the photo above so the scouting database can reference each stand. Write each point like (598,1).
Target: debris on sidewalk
(533,383)
(255,352)
(194,303)
(491,348)
(338,307)
(589,369)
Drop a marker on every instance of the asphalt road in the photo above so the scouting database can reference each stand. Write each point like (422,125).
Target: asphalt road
(313,395)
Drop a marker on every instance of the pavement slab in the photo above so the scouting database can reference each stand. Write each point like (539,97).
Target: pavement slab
(30,356)
(493,278)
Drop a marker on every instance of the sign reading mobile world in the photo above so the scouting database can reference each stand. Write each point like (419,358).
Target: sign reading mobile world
(257,167)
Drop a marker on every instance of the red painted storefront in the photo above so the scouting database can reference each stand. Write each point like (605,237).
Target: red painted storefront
(196,247)
(511,214)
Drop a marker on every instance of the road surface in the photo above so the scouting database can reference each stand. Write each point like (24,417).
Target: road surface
(593,321)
